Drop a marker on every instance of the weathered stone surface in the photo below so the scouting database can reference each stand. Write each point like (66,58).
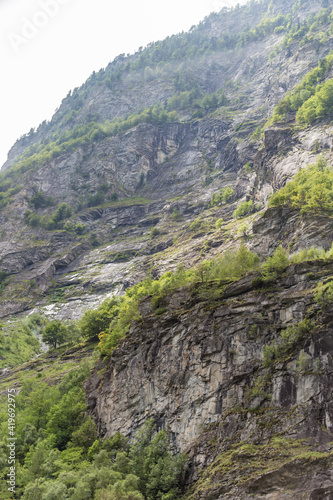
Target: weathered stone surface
(192,365)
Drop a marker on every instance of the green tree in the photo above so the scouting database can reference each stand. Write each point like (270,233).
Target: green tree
(93,322)
(55,333)
(85,436)
(35,461)
(66,416)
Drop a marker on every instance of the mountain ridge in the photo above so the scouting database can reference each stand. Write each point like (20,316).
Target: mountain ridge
(193,234)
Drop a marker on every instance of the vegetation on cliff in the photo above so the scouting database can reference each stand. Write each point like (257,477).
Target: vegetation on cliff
(311,190)
(112,320)
(60,455)
(311,99)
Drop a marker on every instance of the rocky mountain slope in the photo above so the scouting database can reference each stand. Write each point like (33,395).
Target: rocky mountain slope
(168,157)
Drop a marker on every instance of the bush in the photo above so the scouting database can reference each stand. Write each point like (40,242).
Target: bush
(223,196)
(308,98)
(276,264)
(219,223)
(95,200)
(71,227)
(154,232)
(198,224)
(288,344)
(40,200)
(324,294)
(311,190)
(244,208)
(319,105)
(32,219)
(176,215)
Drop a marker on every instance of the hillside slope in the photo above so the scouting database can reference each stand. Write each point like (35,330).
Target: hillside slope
(165,170)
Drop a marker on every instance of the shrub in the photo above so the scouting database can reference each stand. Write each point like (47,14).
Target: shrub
(311,190)
(289,342)
(219,223)
(309,99)
(96,199)
(196,225)
(71,227)
(324,294)
(154,232)
(317,106)
(40,200)
(223,196)
(93,322)
(32,219)
(244,208)
(176,215)
(276,264)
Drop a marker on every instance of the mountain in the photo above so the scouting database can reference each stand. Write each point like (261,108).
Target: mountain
(177,211)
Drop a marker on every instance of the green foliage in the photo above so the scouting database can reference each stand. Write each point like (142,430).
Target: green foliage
(308,98)
(248,168)
(275,265)
(243,209)
(176,215)
(96,199)
(93,322)
(324,294)
(223,196)
(154,232)
(289,341)
(55,457)
(158,471)
(56,221)
(242,229)
(54,333)
(183,100)
(219,223)
(234,264)
(310,254)
(40,200)
(71,227)
(20,342)
(32,219)
(85,436)
(319,105)
(311,190)
(199,225)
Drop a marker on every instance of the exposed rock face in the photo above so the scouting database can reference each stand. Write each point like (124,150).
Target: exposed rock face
(198,369)
(194,367)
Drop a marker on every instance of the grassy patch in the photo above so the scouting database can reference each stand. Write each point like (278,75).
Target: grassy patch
(244,463)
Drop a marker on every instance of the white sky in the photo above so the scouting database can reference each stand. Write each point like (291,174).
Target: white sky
(48,47)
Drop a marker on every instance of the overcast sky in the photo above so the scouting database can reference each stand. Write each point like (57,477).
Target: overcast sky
(51,46)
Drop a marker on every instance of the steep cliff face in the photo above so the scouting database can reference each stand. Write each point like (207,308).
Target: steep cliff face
(175,165)
(200,371)
(241,382)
